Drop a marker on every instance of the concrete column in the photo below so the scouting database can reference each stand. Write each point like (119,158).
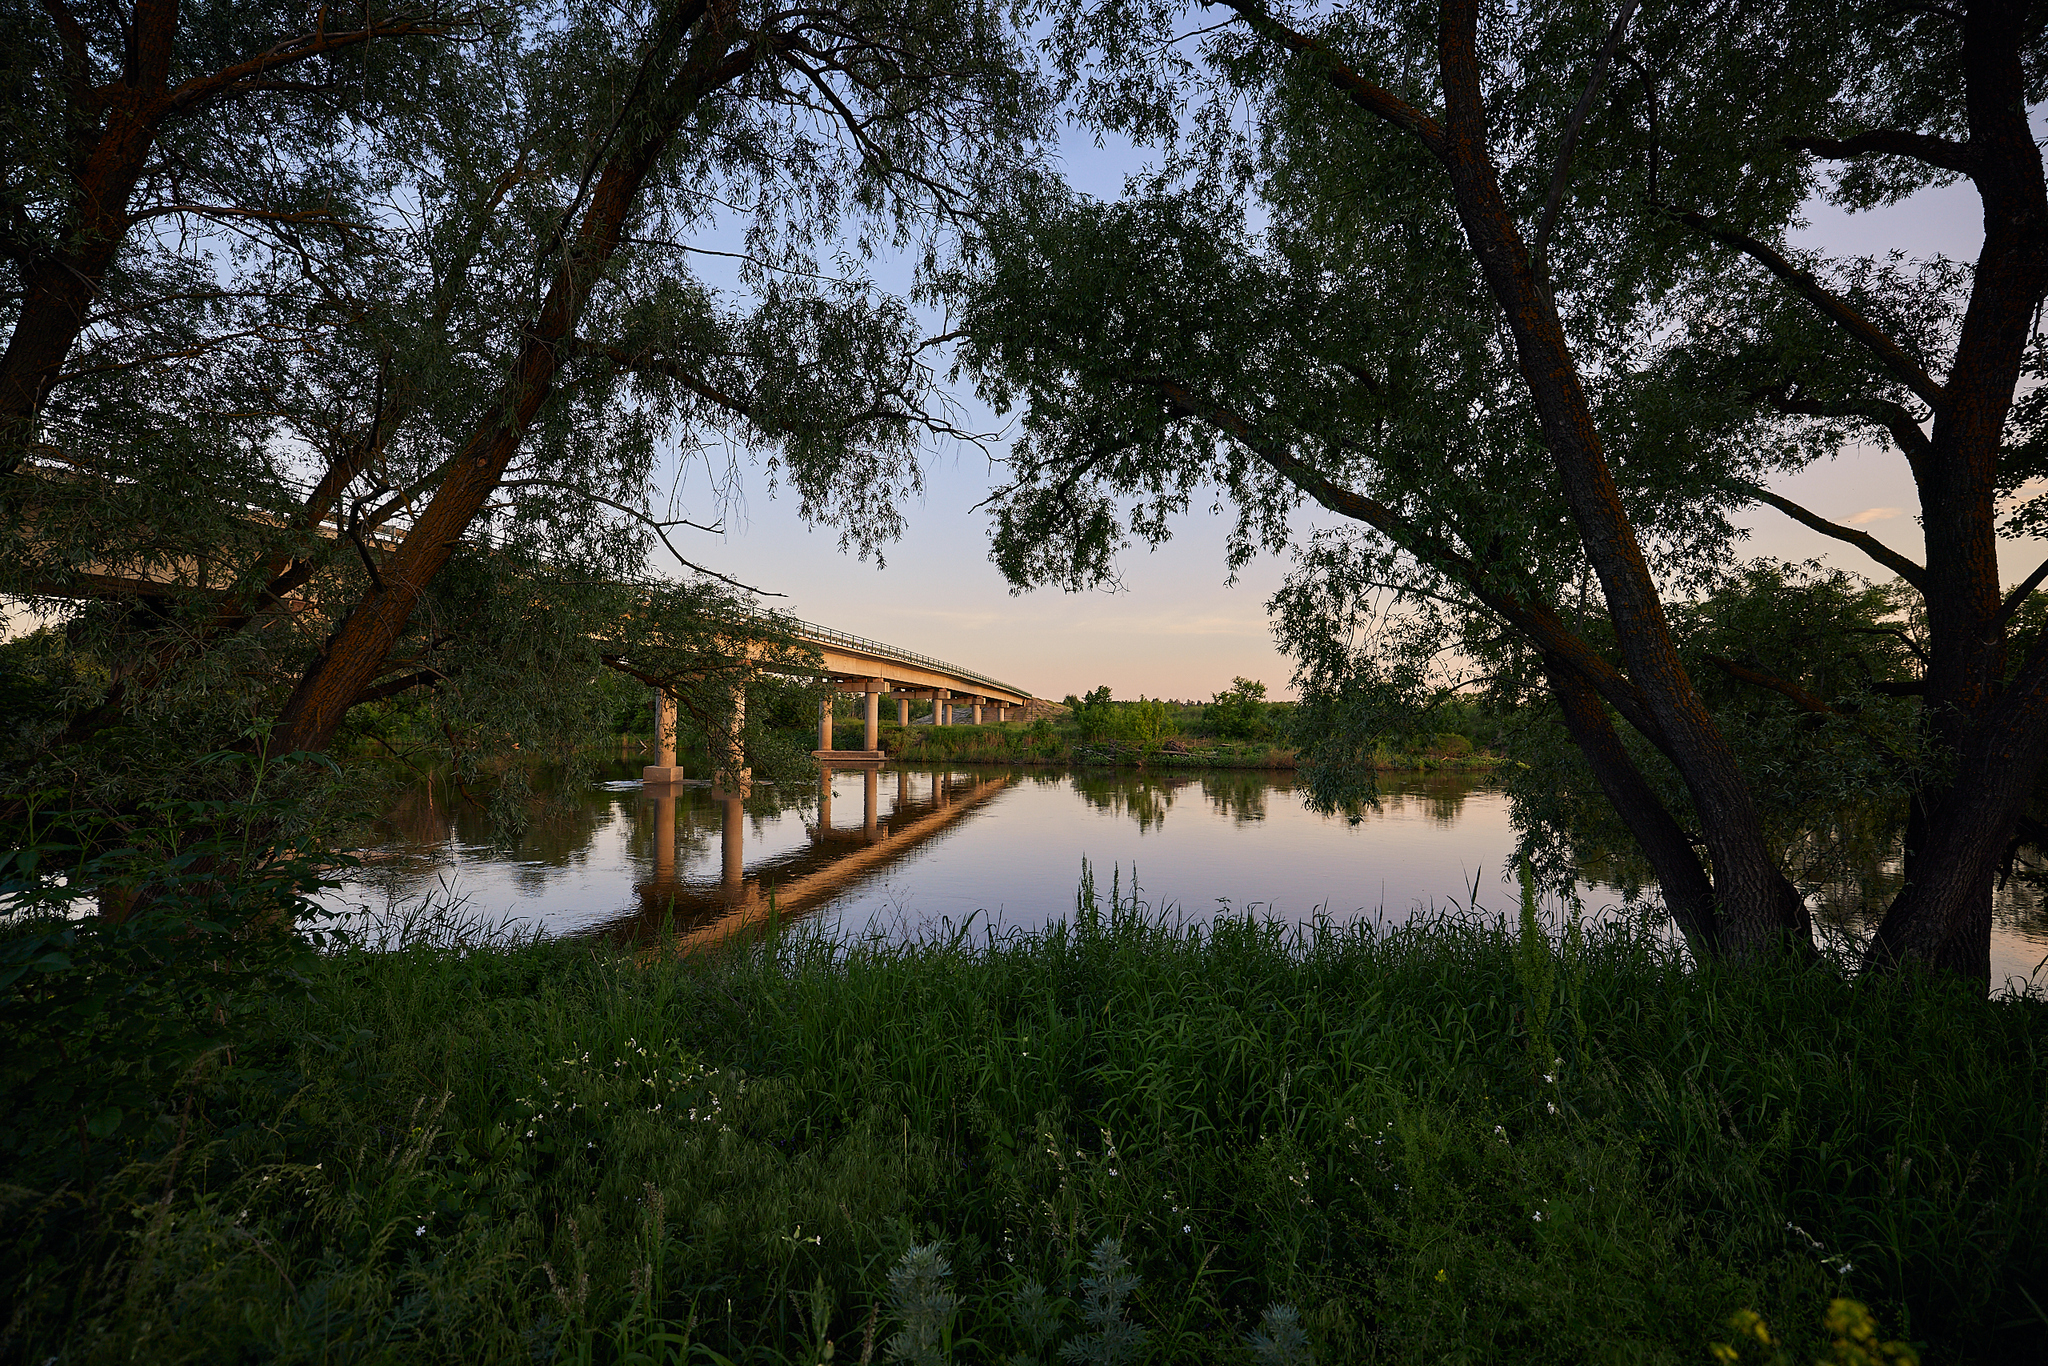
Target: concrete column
(870,781)
(731,844)
(734,770)
(825,720)
(942,707)
(903,711)
(977,711)
(874,688)
(1002,713)
(663,769)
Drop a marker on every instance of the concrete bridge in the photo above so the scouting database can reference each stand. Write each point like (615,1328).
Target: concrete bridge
(855,664)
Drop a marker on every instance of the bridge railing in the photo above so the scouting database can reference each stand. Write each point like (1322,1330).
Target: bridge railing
(825,635)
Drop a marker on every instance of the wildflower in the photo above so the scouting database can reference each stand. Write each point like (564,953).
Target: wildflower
(1441,1275)
(420,1230)
(1550,1107)
(1537,1216)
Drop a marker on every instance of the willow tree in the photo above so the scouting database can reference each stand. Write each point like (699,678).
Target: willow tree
(378,403)
(1509,290)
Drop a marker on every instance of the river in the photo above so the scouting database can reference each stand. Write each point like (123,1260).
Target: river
(908,849)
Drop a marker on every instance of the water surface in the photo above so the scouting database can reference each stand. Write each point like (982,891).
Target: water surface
(905,849)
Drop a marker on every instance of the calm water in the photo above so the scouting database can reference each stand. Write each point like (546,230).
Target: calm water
(902,849)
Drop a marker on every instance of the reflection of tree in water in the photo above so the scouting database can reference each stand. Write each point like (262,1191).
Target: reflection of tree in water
(1850,869)
(1440,795)
(1240,794)
(1144,797)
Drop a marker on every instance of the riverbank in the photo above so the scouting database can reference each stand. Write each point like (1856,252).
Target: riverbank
(1008,744)
(1429,1143)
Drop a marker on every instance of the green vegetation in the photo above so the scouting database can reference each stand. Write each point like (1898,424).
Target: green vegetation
(1238,729)
(1125,1131)
(1520,299)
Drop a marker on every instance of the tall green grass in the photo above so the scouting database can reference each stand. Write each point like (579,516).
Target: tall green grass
(1179,1142)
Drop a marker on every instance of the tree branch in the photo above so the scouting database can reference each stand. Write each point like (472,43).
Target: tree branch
(2018,596)
(1535,620)
(1869,335)
(1895,418)
(298,49)
(1799,696)
(1374,99)
(1946,153)
(1539,253)
(1877,550)
(425,678)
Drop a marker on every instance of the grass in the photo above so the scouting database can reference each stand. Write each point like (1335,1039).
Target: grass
(1017,744)
(1131,1138)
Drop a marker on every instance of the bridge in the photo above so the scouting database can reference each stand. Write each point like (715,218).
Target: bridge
(853,664)
(872,669)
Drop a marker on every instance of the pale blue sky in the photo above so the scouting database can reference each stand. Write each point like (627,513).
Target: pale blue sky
(1177,630)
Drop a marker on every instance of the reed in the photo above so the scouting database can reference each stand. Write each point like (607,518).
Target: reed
(1129,1137)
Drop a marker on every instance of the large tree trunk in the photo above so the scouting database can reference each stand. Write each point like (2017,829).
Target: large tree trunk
(1942,917)
(112,130)
(1687,892)
(356,653)
(58,290)
(1760,911)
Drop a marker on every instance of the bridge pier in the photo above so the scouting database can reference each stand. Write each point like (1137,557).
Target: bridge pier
(663,769)
(734,772)
(871,748)
(977,711)
(942,706)
(902,710)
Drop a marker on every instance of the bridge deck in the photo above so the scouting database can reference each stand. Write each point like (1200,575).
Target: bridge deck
(851,658)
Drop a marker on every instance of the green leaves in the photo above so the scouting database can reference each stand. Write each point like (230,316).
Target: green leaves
(201,903)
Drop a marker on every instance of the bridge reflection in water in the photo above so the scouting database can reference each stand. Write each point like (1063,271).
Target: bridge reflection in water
(693,913)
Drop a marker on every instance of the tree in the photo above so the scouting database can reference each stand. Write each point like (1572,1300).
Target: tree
(405,434)
(156,121)
(1240,712)
(1519,305)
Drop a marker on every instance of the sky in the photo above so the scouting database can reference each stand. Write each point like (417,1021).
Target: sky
(1177,628)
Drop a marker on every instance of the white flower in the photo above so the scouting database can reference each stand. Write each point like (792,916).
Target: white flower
(1537,1216)
(420,1230)
(1550,1107)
